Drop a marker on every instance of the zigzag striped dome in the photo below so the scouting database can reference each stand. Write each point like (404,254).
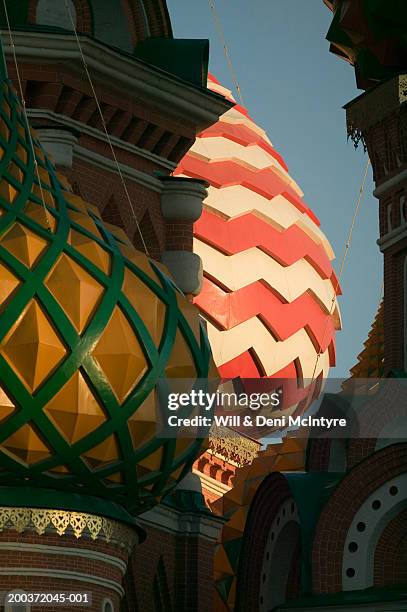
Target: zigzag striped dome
(268,278)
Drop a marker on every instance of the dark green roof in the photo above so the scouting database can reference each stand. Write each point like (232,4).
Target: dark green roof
(187,59)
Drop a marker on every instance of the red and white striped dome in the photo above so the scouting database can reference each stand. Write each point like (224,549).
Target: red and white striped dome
(268,278)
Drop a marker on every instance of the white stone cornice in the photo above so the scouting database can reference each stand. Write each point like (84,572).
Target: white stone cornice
(390,184)
(390,239)
(48,115)
(133,78)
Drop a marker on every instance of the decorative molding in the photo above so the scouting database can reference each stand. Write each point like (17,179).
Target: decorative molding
(182,198)
(59,143)
(211,485)
(131,77)
(392,237)
(86,553)
(83,128)
(109,165)
(62,575)
(232,447)
(78,524)
(390,184)
(373,106)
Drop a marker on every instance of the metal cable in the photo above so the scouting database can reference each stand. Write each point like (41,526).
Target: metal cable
(219,28)
(105,127)
(344,258)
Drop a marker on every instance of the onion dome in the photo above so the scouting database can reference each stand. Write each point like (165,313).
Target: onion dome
(268,283)
(88,325)
(371,35)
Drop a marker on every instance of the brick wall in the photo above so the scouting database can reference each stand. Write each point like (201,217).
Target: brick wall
(105,190)
(45,563)
(174,567)
(143,567)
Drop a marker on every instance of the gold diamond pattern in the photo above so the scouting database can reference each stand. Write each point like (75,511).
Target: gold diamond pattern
(74,200)
(143,423)
(120,355)
(43,217)
(7,191)
(103,453)
(150,308)
(180,363)
(26,445)
(190,311)
(43,195)
(91,250)
(76,291)
(152,462)
(32,347)
(6,406)
(8,284)
(84,221)
(116,478)
(74,410)
(23,244)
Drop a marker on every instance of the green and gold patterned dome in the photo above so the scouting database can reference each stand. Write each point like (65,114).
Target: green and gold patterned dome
(88,325)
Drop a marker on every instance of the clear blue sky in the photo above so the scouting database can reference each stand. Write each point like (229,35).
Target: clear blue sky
(295,89)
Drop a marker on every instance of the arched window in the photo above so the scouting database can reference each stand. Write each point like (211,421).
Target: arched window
(54,13)
(107,606)
(282,551)
(403,218)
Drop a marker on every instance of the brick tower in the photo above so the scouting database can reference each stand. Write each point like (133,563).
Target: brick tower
(372,40)
(379,117)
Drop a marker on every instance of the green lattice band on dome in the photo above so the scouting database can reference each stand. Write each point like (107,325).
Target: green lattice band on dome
(87,327)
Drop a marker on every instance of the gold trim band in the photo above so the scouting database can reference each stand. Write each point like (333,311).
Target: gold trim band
(63,522)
